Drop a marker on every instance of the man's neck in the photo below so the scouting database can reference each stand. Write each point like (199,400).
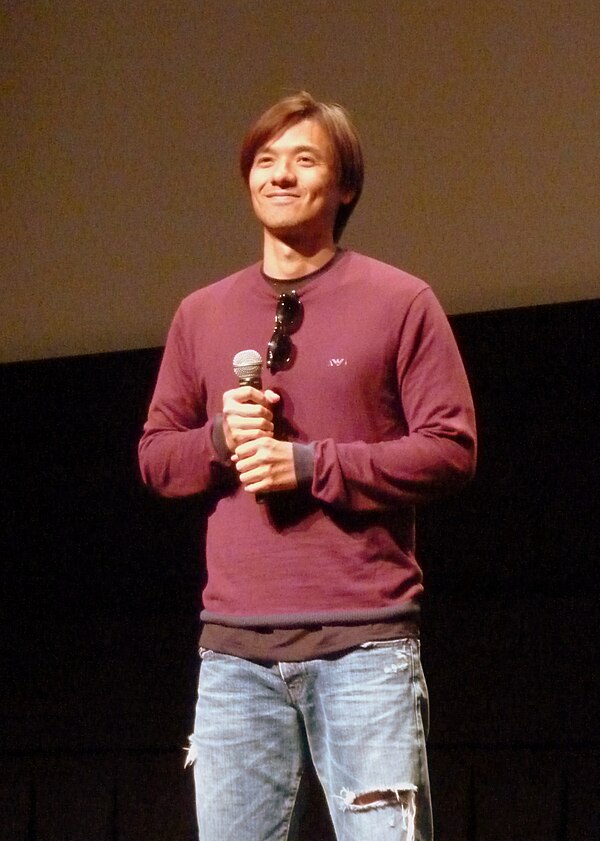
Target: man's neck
(283,261)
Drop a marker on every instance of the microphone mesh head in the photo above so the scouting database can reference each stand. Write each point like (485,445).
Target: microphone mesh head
(247,364)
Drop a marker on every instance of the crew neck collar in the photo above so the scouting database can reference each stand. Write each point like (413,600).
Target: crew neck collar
(297,283)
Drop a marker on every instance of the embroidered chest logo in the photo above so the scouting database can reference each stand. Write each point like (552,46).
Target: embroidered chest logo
(337,363)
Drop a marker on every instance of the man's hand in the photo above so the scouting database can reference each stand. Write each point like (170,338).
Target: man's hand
(247,415)
(266,464)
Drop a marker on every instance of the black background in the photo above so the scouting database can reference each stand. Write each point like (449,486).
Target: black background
(101,583)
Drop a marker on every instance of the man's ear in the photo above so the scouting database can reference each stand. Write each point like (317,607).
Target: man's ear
(347,196)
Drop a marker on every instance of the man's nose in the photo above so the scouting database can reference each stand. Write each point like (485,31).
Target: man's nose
(282,171)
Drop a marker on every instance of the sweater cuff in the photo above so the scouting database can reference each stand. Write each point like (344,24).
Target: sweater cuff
(218,438)
(304,463)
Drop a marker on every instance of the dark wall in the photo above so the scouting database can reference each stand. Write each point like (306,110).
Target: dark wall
(101,583)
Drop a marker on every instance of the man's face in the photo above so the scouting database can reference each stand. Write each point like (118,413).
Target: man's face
(294,184)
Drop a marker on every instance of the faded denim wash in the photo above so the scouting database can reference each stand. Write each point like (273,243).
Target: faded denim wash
(361,716)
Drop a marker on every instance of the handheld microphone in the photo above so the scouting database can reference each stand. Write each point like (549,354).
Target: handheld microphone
(247,366)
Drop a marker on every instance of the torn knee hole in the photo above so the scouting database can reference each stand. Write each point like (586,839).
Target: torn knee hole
(371,797)
(402,798)
(402,795)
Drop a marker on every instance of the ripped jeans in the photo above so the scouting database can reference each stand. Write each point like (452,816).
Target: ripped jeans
(362,717)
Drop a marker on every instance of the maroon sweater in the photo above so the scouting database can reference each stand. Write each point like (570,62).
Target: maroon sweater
(379,408)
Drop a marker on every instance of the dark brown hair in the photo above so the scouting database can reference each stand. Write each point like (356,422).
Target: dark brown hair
(338,125)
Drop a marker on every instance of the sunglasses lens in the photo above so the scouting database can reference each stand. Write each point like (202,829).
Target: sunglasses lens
(279,350)
(288,310)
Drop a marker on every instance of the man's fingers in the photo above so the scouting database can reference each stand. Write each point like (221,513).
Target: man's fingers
(243,422)
(247,415)
(239,430)
(246,394)
(266,464)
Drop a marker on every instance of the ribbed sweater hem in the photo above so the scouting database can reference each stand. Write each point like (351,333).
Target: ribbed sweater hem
(410,609)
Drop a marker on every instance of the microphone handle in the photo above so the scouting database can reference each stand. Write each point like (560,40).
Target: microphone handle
(255,382)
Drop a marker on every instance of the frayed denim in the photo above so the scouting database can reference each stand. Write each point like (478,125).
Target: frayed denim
(362,717)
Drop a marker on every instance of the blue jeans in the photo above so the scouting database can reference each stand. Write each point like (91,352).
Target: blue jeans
(362,718)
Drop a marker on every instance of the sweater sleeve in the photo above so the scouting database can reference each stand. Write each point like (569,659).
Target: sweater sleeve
(179,452)
(438,452)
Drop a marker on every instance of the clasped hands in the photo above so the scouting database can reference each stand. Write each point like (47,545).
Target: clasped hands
(263,463)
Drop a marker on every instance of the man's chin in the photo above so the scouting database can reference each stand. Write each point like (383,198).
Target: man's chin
(288,232)
(297,233)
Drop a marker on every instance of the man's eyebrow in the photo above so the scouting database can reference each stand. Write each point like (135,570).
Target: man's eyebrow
(304,147)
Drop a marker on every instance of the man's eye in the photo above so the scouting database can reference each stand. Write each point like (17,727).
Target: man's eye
(263,160)
(306,160)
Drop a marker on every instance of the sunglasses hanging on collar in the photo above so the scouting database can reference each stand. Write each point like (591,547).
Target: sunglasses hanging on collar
(288,318)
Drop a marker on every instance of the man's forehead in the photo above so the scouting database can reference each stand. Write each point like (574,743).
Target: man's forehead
(305,135)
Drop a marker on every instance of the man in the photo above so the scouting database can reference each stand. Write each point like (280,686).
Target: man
(310,639)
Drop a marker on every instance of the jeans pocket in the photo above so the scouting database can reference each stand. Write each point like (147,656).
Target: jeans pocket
(386,643)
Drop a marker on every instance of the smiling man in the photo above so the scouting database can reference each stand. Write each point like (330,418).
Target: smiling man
(310,639)
(296,194)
